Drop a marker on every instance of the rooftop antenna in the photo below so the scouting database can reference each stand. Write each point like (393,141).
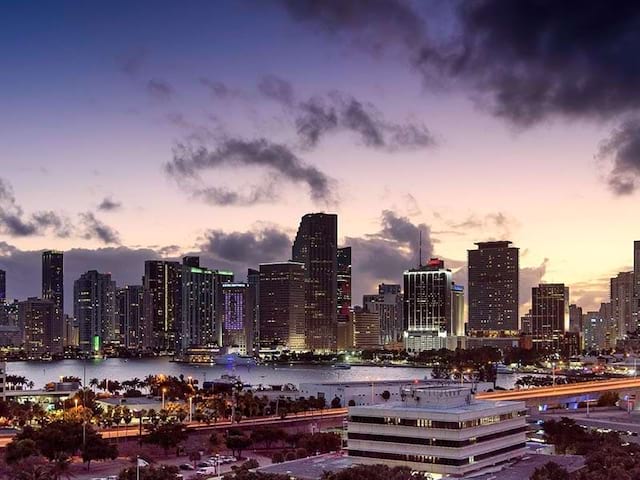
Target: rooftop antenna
(420,249)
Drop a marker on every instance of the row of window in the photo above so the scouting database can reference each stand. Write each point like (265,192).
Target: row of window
(428,423)
(457,462)
(434,442)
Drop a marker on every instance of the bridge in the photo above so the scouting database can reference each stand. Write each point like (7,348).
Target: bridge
(571,393)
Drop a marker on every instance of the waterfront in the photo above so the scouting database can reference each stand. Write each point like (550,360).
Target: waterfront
(123,369)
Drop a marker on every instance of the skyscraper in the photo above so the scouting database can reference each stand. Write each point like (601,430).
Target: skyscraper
(253,306)
(53,289)
(3,286)
(457,311)
(549,314)
(428,307)
(575,318)
(636,275)
(198,323)
(38,317)
(162,287)
(315,246)
(94,306)
(282,312)
(344,283)
(388,304)
(237,329)
(622,300)
(366,329)
(130,317)
(493,287)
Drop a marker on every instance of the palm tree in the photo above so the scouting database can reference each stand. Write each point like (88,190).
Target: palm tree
(94,383)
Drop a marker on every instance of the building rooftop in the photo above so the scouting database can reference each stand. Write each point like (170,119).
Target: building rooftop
(311,468)
(524,468)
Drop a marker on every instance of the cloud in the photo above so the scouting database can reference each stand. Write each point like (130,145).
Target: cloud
(530,277)
(277,159)
(623,149)
(277,89)
(314,119)
(109,205)
(218,89)
(15,223)
(96,229)
(160,89)
(251,247)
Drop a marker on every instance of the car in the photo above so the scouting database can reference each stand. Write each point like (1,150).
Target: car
(206,471)
(186,466)
(203,464)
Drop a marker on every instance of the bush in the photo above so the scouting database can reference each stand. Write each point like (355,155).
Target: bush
(277,457)
(290,456)
(302,453)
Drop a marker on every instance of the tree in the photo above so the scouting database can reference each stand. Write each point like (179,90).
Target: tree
(97,448)
(163,472)
(268,435)
(32,468)
(277,457)
(166,435)
(550,471)
(336,403)
(237,443)
(17,451)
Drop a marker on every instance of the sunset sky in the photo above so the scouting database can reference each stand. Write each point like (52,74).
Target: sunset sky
(130,131)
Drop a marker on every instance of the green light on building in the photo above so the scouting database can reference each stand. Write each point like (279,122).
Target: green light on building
(96,343)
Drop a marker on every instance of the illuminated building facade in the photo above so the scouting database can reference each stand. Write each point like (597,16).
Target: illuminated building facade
(237,330)
(38,317)
(549,315)
(53,289)
(622,300)
(162,285)
(130,317)
(94,307)
(388,304)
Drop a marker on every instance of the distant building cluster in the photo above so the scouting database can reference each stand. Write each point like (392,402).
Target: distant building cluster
(305,303)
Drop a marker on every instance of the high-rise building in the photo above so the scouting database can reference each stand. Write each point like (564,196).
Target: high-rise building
(575,318)
(253,306)
(3,286)
(94,306)
(71,332)
(388,303)
(237,328)
(38,317)
(366,329)
(549,314)
(281,299)
(428,308)
(493,287)
(130,317)
(636,275)
(457,311)
(622,291)
(344,283)
(198,307)
(315,246)
(599,332)
(53,289)
(162,287)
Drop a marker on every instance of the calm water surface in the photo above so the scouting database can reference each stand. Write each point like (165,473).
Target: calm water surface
(121,369)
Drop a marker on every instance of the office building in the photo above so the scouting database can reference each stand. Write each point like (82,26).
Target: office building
(366,329)
(237,327)
(282,297)
(198,307)
(622,291)
(458,327)
(253,306)
(493,287)
(38,317)
(130,317)
(429,315)
(94,307)
(53,289)
(575,318)
(315,246)
(71,332)
(344,283)
(549,315)
(345,334)
(162,286)
(441,430)
(3,286)
(599,332)
(388,304)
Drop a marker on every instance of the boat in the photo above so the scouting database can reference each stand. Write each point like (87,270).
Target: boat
(234,359)
(342,366)
(502,369)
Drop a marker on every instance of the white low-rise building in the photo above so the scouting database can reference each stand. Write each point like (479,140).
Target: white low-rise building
(442,430)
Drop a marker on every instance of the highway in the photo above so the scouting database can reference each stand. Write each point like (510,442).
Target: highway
(571,389)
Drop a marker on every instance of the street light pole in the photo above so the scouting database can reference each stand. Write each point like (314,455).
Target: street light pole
(190,409)
(163,392)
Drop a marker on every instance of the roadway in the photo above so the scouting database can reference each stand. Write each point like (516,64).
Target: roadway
(568,390)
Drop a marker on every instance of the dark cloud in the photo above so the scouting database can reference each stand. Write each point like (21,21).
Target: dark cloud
(253,247)
(314,119)
(385,255)
(15,223)
(277,89)
(96,229)
(218,89)
(160,90)
(278,160)
(108,204)
(223,196)
(623,149)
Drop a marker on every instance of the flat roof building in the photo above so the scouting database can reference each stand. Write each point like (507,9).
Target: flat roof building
(441,430)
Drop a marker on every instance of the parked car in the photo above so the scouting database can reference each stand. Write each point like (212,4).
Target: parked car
(186,466)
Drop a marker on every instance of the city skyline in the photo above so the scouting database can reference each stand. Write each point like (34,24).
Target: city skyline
(115,182)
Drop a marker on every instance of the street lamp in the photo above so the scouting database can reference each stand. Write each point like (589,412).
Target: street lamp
(190,409)
(164,390)
(76,402)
